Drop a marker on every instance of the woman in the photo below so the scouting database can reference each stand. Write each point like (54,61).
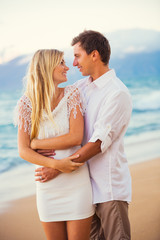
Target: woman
(46,111)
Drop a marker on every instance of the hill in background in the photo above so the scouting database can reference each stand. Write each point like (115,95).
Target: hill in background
(135,55)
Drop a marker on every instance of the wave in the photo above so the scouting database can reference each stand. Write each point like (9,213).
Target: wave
(152,110)
(14,182)
(7,163)
(8,128)
(143,146)
(148,100)
(142,129)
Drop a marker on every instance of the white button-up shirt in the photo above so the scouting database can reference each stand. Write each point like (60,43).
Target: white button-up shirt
(108,111)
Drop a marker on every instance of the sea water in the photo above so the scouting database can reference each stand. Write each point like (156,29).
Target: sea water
(142,139)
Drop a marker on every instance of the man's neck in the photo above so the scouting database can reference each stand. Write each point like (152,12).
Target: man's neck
(99,71)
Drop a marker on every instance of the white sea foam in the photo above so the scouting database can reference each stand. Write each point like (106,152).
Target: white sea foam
(146,99)
(17,183)
(142,147)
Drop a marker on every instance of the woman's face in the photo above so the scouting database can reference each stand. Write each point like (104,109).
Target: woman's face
(60,73)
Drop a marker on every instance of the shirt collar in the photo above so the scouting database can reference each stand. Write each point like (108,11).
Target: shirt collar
(102,80)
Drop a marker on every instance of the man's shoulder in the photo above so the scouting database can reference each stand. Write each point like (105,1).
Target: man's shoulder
(119,86)
(81,82)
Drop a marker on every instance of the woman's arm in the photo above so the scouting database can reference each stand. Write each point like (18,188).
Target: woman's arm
(23,120)
(73,138)
(31,156)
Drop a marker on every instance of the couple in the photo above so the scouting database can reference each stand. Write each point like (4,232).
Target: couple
(78,199)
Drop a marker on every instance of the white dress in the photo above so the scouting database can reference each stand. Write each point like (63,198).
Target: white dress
(69,195)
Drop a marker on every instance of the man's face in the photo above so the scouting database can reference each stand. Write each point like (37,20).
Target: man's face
(82,60)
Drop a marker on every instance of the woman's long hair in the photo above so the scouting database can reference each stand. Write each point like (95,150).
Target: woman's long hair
(40,85)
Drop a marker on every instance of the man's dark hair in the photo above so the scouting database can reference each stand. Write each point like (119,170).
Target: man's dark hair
(92,40)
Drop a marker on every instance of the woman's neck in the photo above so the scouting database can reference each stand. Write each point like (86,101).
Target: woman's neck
(58,95)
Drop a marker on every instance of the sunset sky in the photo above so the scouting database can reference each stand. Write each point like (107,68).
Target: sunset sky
(27,25)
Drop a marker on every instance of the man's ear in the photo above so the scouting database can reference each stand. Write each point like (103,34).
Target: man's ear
(95,55)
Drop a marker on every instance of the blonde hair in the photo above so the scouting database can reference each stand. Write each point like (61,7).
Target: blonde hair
(40,86)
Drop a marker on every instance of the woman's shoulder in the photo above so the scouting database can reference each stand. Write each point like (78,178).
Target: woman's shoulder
(24,102)
(71,90)
(74,99)
(24,99)
(22,113)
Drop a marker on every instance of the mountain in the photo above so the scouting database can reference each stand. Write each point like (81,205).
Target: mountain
(132,66)
(135,55)
(124,42)
(141,65)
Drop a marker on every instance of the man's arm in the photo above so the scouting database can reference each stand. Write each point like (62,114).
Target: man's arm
(111,122)
(88,151)
(44,174)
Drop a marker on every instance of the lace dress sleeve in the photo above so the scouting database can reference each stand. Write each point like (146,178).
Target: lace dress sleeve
(74,100)
(23,112)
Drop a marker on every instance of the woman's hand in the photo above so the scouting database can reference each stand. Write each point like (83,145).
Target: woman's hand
(34,144)
(67,165)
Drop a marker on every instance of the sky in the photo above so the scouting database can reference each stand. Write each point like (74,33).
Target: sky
(27,25)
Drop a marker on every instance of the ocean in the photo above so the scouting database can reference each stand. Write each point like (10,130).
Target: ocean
(142,140)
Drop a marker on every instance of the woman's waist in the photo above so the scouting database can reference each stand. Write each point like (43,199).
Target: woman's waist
(59,154)
(79,177)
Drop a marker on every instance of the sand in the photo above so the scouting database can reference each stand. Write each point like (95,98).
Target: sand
(20,221)
(144,210)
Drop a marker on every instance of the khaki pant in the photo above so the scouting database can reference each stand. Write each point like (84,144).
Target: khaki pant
(111,222)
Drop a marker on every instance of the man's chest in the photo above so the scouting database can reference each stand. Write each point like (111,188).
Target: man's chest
(94,106)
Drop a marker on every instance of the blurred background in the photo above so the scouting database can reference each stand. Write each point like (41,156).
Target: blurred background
(133,30)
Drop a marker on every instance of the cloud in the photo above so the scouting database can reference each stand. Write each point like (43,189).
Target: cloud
(25,59)
(134,49)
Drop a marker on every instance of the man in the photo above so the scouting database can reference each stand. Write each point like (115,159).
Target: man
(108,111)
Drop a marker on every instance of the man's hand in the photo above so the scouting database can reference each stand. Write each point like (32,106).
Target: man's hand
(44,174)
(46,152)
(67,165)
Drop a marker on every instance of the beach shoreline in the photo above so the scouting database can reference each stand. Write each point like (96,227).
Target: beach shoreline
(20,219)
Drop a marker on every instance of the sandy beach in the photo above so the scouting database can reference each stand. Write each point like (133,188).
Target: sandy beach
(20,221)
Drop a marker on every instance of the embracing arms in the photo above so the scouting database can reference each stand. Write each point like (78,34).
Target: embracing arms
(112,121)
(88,151)
(23,120)
(31,156)
(73,138)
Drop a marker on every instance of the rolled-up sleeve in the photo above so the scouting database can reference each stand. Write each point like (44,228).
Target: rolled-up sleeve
(112,119)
